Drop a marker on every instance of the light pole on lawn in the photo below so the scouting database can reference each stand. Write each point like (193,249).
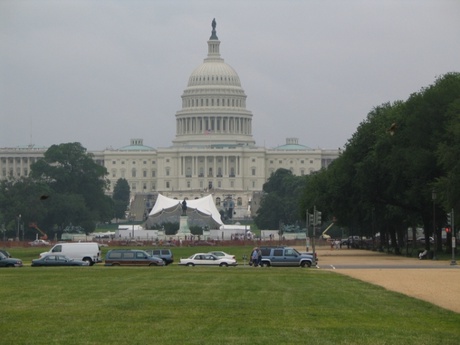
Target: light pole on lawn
(433,197)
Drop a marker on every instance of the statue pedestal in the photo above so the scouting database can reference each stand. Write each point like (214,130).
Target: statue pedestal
(183,228)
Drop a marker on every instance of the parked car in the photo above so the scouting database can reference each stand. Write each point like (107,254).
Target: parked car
(9,262)
(165,254)
(58,260)
(285,256)
(39,243)
(220,254)
(204,259)
(4,252)
(131,257)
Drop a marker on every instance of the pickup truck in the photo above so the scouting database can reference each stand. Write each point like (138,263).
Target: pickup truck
(285,257)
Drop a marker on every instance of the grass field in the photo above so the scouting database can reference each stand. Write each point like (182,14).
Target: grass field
(195,305)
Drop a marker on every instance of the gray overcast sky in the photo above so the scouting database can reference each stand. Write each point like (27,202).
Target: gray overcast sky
(103,72)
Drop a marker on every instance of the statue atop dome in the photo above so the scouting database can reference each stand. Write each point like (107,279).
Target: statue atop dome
(213,32)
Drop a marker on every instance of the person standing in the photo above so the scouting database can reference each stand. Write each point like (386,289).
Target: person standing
(259,257)
(255,257)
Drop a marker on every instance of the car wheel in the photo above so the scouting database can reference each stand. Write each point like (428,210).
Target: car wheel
(190,264)
(305,264)
(10,265)
(89,261)
(116,264)
(265,264)
(223,264)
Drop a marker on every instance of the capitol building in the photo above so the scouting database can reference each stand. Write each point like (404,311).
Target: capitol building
(213,151)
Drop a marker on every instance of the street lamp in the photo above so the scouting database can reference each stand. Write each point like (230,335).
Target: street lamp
(19,222)
(433,197)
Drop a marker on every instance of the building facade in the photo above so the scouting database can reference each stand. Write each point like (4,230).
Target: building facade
(213,151)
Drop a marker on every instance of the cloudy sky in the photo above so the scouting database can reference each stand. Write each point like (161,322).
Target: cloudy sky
(103,72)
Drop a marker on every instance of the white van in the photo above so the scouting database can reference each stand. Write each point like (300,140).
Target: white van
(86,251)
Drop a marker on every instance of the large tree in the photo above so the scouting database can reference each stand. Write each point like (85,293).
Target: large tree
(77,184)
(280,202)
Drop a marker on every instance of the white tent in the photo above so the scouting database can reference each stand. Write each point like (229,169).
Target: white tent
(203,205)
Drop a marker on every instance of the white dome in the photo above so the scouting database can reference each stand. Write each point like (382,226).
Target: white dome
(213,105)
(214,72)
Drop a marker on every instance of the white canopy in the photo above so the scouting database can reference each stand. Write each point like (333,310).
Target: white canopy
(204,205)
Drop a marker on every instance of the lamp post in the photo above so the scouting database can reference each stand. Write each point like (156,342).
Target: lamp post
(19,222)
(433,197)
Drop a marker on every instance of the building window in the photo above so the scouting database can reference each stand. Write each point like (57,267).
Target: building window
(154,173)
(253,171)
(239,201)
(113,162)
(144,173)
(188,184)
(133,173)
(167,184)
(167,171)
(217,201)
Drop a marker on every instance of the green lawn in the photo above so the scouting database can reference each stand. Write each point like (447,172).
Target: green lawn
(195,305)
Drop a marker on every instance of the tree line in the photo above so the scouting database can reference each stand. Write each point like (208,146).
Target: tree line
(399,170)
(65,189)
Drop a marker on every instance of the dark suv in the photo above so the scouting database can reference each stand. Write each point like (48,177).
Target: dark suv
(164,254)
(285,256)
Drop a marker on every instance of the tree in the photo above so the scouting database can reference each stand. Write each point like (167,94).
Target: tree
(77,184)
(22,197)
(121,193)
(280,203)
(384,178)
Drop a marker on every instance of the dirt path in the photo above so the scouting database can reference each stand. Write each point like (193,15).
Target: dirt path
(434,281)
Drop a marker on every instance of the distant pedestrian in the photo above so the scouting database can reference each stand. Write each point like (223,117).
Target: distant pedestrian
(255,257)
(259,257)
